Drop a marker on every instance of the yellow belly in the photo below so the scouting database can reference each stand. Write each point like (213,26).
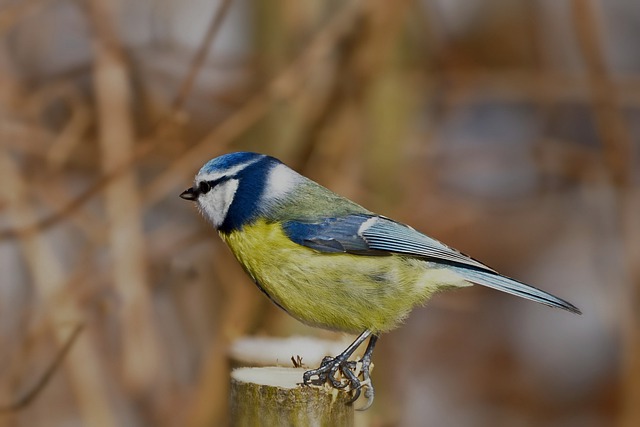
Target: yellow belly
(336,291)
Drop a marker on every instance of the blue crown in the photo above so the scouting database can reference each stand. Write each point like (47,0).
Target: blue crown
(227,161)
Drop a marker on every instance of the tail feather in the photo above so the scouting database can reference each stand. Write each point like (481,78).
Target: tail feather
(514,287)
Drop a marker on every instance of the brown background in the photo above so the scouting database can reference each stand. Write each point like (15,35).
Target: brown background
(507,129)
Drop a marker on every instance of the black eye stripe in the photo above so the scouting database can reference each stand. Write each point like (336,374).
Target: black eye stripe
(205,186)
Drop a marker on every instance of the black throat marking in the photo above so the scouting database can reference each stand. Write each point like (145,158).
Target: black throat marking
(244,208)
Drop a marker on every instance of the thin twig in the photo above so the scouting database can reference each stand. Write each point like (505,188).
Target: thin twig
(44,379)
(610,123)
(141,151)
(200,56)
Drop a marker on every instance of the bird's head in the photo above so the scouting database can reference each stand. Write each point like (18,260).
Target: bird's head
(236,188)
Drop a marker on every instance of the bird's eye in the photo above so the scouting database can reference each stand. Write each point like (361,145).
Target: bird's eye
(204,187)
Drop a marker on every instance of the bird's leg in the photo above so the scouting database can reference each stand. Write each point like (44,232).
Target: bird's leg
(366,374)
(330,366)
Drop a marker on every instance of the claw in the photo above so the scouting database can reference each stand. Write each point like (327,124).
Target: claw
(336,383)
(368,393)
(356,395)
(354,382)
(332,376)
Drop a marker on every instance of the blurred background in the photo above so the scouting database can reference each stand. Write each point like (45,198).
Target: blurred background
(506,128)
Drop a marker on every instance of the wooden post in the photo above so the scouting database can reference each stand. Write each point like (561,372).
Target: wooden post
(273,396)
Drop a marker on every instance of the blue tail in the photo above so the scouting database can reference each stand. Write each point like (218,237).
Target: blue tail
(511,286)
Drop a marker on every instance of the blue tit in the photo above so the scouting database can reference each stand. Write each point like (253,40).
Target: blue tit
(328,261)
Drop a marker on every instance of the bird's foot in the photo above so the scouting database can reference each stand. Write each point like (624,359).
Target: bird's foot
(329,369)
(349,369)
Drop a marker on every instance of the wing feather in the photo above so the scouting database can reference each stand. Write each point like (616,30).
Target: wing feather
(373,235)
(364,234)
(386,234)
(514,287)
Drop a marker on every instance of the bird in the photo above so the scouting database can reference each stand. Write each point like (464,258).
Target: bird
(331,263)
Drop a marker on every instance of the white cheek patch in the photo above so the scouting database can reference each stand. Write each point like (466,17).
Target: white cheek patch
(215,204)
(280,182)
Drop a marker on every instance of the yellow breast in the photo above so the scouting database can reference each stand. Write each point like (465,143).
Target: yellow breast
(335,290)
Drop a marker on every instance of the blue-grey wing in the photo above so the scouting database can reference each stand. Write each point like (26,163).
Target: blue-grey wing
(373,235)
(331,235)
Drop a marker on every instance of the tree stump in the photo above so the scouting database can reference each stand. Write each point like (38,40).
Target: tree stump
(273,396)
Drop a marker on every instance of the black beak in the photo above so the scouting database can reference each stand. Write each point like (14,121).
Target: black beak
(189,194)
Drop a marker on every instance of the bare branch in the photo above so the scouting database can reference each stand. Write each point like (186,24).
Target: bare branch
(28,397)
